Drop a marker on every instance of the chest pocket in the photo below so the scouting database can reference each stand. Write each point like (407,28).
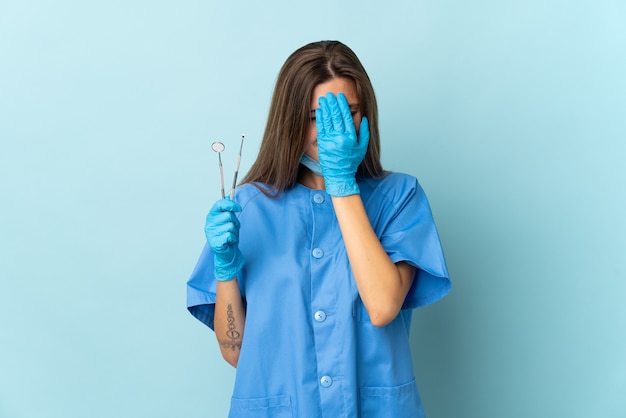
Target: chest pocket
(270,407)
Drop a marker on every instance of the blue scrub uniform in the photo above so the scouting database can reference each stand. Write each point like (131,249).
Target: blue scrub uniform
(309,348)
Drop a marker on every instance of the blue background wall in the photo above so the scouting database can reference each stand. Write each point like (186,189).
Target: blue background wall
(512,114)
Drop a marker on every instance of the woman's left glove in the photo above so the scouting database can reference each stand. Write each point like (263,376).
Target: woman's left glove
(340,150)
(222,234)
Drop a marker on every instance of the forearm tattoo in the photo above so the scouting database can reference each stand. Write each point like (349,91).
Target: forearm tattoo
(234,337)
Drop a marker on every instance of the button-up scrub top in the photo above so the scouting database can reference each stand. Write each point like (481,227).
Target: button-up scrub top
(309,348)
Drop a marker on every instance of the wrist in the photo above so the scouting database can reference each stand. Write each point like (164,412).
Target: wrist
(225,278)
(226,270)
(341,187)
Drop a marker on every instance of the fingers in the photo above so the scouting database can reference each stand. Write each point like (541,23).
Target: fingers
(225,205)
(326,119)
(222,226)
(319,123)
(334,114)
(346,114)
(223,233)
(221,218)
(222,237)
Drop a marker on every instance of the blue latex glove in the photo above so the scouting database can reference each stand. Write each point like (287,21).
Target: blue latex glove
(340,151)
(222,234)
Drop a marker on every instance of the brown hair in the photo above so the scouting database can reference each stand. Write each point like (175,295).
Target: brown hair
(289,116)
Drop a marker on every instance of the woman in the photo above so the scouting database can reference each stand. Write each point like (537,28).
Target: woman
(310,275)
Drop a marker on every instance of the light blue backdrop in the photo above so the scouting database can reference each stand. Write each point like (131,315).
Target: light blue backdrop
(512,114)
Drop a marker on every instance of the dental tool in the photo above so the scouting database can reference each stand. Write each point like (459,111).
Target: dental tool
(232,191)
(219,147)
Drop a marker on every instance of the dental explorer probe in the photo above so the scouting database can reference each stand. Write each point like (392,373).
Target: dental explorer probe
(232,191)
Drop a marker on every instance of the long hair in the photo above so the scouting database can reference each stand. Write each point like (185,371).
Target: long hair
(288,122)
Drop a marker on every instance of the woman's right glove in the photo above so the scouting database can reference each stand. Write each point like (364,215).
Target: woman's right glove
(222,234)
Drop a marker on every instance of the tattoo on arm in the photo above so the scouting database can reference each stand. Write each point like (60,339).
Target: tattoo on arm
(234,337)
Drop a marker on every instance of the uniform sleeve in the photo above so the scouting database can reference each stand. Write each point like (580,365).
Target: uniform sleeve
(201,289)
(410,235)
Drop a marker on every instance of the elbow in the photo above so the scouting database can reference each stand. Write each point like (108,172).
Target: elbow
(381,317)
(230,351)
(231,358)
(379,323)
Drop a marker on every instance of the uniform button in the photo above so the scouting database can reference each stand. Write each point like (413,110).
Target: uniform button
(318,253)
(319,198)
(319,316)
(326,381)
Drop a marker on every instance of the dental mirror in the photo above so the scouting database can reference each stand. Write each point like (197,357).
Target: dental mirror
(219,147)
